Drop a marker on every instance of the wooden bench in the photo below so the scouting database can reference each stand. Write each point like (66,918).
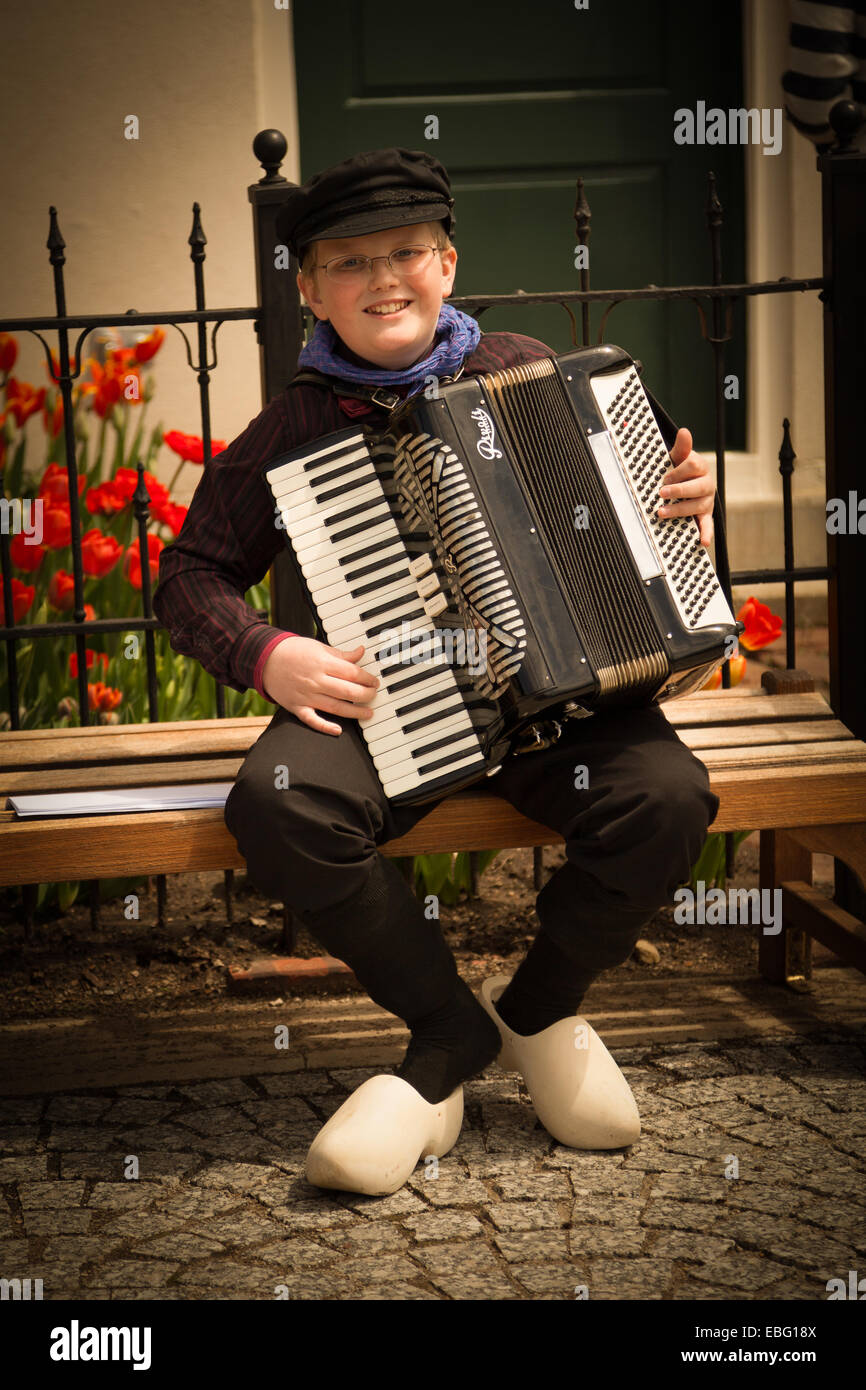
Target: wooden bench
(779,760)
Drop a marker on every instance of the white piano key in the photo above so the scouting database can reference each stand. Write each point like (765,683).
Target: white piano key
(323,547)
(354,444)
(386,758)
(413,765)
(326,519)
(309,484)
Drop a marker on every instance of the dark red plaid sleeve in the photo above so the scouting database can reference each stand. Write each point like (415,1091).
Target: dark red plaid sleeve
(228,540)
(227,544)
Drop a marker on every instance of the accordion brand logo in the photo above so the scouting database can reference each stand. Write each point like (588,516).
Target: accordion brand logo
(486,445)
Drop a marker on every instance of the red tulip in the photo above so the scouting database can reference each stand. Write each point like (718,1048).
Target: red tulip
(190,447)
(89,658)
(762,626)
(99,553)
(105,500)
(25,557)
(132,561)
(61,591)
(56,525)
(22,599)
(113,496)
(173,516)
(55,484)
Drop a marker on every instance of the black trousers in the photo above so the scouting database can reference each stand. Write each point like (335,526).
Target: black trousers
(308,811)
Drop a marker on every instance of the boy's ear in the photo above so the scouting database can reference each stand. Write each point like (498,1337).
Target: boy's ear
(307,289)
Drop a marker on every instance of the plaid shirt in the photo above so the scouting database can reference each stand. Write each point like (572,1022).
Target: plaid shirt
(228,540)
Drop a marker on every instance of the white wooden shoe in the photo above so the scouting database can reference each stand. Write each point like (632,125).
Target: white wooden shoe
(578,1091)
(373,1143)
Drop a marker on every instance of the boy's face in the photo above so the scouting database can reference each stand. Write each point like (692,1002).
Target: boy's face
(406,333)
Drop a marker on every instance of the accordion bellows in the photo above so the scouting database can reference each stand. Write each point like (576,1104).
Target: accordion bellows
(497,551)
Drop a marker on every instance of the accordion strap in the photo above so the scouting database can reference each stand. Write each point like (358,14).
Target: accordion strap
(357,391)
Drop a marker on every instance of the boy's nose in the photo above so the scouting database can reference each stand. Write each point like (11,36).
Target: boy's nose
(381,272)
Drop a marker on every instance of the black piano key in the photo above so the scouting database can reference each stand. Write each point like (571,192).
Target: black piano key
(344,490)
(363,570)
(340,536)
(456,707)
(450,758)
(339,517)
(404,617)
(325,478)
(372,549)
(414,679)
(361,590)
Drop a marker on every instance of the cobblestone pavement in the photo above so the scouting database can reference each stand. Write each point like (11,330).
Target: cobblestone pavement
(747,1182)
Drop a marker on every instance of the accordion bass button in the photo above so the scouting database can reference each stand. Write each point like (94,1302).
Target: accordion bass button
(436,605)
(422,564)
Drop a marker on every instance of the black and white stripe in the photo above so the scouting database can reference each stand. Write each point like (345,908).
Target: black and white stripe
(827,58)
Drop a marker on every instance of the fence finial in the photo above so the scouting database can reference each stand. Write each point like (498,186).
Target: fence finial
(269,148)
(786,451)
(846,120)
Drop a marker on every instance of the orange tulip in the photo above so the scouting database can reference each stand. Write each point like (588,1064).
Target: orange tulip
(23,399)
(148,347)
(8,352)
(55,364)
(103,697)
(738,670)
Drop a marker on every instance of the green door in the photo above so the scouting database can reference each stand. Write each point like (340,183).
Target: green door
(527,98)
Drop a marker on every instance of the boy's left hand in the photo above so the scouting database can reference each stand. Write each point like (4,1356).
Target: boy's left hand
(687,489)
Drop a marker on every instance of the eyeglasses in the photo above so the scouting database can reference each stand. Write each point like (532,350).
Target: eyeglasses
(406,260)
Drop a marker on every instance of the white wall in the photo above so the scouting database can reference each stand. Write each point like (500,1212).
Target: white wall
(785,334)
(203,78)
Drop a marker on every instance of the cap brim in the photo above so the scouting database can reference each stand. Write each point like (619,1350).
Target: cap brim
(382,219)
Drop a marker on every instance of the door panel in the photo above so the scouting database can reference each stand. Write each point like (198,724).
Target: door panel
(528,97)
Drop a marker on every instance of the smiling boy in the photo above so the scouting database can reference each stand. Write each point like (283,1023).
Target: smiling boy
(373,239)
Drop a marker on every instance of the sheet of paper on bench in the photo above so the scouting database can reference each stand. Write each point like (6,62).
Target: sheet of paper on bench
(188,796)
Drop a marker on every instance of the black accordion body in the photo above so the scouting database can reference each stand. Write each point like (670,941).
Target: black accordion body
(498,553)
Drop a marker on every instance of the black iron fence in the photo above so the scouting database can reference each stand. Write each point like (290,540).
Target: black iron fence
(279,322)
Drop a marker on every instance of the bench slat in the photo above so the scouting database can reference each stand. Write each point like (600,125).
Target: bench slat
(70,779)
(50,748)
(135,746)
(740,735)
(166,842)
(744,709)
(784,755)
(723,747)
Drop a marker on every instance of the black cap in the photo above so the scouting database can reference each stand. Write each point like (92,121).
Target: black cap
(367,193)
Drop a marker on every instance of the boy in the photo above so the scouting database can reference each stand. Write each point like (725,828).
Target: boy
(373,240)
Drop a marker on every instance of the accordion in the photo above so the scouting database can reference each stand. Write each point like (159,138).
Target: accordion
(498,553)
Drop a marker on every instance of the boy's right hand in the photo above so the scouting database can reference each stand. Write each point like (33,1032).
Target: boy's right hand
(304,675)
